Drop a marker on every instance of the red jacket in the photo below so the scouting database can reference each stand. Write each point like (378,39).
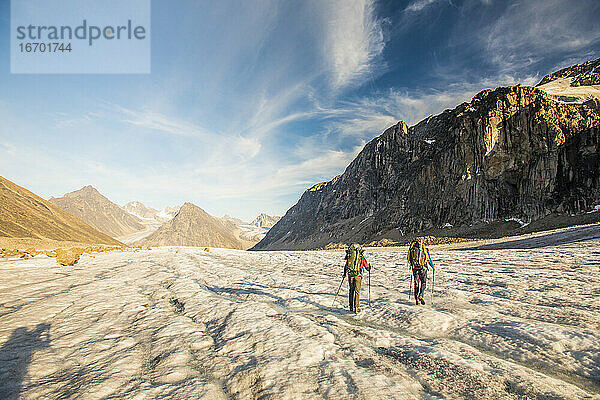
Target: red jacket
(363,265)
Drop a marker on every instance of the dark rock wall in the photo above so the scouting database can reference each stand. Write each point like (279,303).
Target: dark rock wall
(511,152)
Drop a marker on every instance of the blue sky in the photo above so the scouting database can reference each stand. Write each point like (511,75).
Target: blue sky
(251,102)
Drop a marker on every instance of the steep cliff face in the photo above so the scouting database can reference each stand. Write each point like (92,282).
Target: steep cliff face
(511,154)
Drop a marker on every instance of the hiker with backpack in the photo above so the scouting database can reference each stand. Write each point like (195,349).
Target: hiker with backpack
(419,261)
(355,263)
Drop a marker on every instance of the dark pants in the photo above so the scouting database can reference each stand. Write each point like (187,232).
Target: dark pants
(354,292)
(420,276)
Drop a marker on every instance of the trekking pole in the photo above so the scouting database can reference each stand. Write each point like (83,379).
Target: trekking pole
(433,279)
(432,286)
(369,287)
(338,291)
(410,287)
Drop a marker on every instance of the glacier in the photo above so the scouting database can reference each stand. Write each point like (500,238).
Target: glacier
(182,323)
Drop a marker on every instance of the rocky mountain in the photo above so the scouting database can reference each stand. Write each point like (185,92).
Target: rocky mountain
(26,215)
(265,221)
(513,159)
(192,226)
(95,209)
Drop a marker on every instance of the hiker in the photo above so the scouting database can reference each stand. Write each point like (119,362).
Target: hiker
(355,262)
(419,261)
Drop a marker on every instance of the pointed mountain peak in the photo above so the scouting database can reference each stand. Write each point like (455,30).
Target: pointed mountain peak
(193,226)
(187,206)
(26,215)
(190,208)
(88,190)
(265,221)
(92,207)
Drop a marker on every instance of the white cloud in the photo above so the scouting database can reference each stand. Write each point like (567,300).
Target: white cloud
(247,147)
(151,120)
(325,165)
(64,120)
(227,148)
(354,39)
(367,123)
(419,5)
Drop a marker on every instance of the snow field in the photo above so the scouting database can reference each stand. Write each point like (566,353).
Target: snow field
(184,323)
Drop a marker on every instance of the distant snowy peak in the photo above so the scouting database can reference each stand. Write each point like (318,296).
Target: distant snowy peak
(169,212)
(140,210)
(265,221)
(148,213)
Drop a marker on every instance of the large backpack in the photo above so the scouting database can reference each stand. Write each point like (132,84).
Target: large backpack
(417,256)
(354,257)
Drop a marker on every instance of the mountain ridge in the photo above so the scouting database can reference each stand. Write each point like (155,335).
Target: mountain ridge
(24,214)
(461,169)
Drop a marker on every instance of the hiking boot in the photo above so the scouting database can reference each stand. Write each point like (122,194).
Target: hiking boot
(417,301)
(421,300)
(357,311)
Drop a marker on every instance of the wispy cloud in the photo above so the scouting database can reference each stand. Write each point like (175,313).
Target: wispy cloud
(530,31)
(354,40)
(156,121)
(327,164)
(287,179)
(63,120)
